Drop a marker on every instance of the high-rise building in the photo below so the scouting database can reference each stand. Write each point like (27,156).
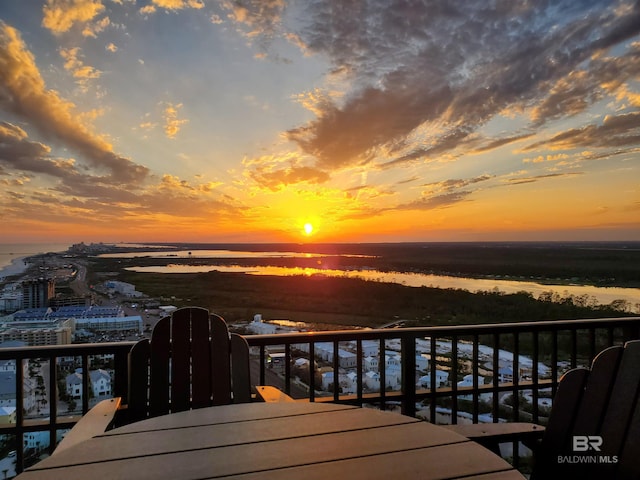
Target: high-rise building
(37,293)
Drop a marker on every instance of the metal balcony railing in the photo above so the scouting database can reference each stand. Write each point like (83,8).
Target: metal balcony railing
(511,369)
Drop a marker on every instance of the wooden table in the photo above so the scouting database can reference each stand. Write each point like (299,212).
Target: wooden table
(301,441)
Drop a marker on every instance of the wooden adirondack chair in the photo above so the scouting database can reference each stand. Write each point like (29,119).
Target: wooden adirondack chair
(594,425)
(190,362)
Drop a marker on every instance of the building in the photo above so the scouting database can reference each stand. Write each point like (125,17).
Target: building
(505,375)
(32,337)
(7,366)
(37,293)
(123,288)
(73,384)
(441,379)
(110,324)
(11,299)
(99,382)
(70,302)
(36,441)
(7,415)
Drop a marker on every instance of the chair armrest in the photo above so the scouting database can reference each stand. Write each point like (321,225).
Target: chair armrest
(94,422)
(490,435)
(272,394)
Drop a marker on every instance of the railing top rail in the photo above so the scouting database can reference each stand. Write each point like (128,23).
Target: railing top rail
(441,330)
(66,350)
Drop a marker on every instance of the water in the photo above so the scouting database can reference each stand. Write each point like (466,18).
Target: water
(602,295)
(12,255)
(222,254)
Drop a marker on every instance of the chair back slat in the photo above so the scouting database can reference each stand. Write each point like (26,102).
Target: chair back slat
(595,400)
(593,407)
(159,380)
(240,369)
(181,359)
(220,362)
(200,364)
(623,402)
(557,435)
(629,460)
(187,364)
(138,366)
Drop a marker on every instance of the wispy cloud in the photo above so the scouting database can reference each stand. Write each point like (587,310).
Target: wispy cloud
(521,180)
(172,124)
(615,131)
(81,72)
(59,16)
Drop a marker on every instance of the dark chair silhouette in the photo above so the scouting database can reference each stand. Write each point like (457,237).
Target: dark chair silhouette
(594,425)
(190,362)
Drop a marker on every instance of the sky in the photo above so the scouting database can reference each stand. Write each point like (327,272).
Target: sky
(319,121)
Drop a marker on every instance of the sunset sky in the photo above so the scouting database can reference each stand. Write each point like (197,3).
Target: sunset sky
(309,120)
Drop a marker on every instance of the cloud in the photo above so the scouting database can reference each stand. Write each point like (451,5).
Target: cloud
(259,18)
(81,72)
(277,179)
(61,15)
(501,142)
(178,4)
(274,172)
(71,192)
(521,180)
(615,131)
(420,79)
(549,158)
(23,93)
(581,88)
(172,124)
(453,184)
(437,201)
(19,153)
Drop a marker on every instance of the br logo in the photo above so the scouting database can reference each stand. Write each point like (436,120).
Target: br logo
(584,443)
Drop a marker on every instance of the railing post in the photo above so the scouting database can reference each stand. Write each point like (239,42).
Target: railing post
(53,401)
(287,369)
(495,399)
(409,375)
(360,370)
(312,371)
(382,368)
(453,379)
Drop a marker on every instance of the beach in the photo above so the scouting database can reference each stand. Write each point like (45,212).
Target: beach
(13,256)
(17,267)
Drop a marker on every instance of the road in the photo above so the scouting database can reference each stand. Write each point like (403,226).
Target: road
(79,284)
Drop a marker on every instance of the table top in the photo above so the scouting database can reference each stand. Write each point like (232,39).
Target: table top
(276,440)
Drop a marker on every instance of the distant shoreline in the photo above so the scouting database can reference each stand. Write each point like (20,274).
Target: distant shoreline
(17,267)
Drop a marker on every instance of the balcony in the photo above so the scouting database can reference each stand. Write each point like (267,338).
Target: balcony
(459,374)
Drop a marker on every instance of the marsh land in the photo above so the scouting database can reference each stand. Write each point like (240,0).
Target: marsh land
(356,302)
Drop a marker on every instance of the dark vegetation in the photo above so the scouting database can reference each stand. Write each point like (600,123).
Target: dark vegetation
(343,301)
(588,263)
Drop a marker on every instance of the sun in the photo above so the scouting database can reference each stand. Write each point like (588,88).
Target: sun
(308,229)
